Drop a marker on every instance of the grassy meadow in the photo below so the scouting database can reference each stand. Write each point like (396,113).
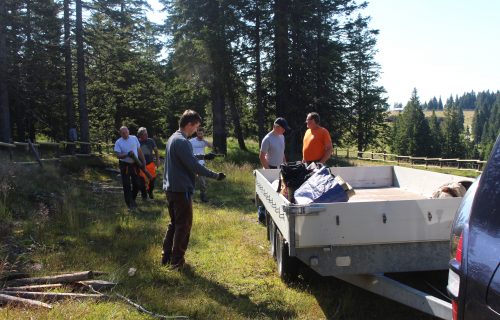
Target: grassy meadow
(73,218)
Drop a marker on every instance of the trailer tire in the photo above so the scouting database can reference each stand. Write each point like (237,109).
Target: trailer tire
(288,267)
(271,235)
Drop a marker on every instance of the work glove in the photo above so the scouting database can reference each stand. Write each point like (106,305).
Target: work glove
(131,153)
(210,156)
(221,176)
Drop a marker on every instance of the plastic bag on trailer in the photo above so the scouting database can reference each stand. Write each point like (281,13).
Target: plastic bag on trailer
(323,187)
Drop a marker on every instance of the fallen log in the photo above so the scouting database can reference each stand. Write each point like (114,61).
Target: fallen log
(52,296)
(62,278)
(13,275)
(37,287)
(8,299)
(97,284)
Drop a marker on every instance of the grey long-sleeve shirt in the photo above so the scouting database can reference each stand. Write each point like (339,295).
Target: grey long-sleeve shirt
(181,166)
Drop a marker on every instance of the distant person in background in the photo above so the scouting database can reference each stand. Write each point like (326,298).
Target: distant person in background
(272,152)
(181,168)
(126,148)
(199,144)
(148,147)
(317,145)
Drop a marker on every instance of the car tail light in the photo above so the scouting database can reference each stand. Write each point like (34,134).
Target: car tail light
(458,255)
(454,277)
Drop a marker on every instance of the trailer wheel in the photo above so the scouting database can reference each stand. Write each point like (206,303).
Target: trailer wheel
(271,235)
(288,267)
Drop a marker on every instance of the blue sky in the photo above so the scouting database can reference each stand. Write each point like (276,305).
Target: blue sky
(440,47)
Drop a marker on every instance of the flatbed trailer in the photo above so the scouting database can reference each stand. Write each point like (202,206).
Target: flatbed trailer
(390,225)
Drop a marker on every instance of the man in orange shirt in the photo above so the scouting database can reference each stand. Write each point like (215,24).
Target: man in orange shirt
(317,146)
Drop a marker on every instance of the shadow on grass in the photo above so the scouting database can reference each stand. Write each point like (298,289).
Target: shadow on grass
(242,304)
(341,300)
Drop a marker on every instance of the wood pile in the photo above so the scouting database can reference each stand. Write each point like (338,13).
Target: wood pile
(41,291)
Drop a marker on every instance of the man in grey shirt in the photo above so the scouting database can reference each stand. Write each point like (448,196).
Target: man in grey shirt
(181,168)
(272,148)
(272,152)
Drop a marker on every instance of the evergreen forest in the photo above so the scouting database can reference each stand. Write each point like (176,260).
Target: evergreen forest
(92,66)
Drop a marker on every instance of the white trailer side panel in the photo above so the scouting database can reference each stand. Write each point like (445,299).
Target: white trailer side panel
(361,223)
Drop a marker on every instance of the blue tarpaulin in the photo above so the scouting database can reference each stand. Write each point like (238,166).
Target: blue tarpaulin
(321,187)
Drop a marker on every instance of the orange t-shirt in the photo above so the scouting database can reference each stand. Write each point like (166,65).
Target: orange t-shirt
(314,143)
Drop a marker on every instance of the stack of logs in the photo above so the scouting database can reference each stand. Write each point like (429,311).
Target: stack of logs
(37,292)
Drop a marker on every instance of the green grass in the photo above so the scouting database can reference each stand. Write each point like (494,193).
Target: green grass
(60,222)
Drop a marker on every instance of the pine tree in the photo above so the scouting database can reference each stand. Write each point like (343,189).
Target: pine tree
(411,133)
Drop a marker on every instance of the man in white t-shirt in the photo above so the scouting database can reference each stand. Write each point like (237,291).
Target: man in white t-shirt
(199,144)
(126,146)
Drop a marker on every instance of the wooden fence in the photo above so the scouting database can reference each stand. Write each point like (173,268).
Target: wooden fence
(56,150)
(460,164)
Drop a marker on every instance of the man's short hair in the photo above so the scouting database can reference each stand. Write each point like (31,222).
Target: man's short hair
(200,129)
(189,116)
(141,131)
(314,116)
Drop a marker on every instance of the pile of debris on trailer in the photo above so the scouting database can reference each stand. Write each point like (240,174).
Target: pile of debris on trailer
(17,289)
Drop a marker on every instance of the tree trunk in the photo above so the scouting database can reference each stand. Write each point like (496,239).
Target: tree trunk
(70,112)
(219,117)
(258,77)
(236,117)
(82,87)
(4,97)
(281,54)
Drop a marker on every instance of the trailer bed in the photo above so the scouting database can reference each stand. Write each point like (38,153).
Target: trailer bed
(384,194)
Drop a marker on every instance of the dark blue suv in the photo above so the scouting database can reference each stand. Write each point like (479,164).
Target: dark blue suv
(474,274)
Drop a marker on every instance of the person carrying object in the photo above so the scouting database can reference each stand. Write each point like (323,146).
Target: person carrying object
(181,168)
(127,148)
(148,147)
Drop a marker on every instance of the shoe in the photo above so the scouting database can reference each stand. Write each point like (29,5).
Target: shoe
(165,259)
(178,266)
(150,195)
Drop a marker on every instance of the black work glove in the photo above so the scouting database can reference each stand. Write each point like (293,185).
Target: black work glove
(221,176)
(210,156)
(131,153)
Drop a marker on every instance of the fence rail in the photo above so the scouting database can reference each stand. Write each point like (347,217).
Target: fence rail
(460,164)
(58,150)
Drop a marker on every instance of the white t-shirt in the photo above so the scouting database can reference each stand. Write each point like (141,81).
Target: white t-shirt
(125,146)
(199,147)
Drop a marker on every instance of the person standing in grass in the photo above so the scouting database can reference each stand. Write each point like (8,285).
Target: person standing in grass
(148,146)
(272,152)
(317,146)
(199,144)
(181,168)
(126,147)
